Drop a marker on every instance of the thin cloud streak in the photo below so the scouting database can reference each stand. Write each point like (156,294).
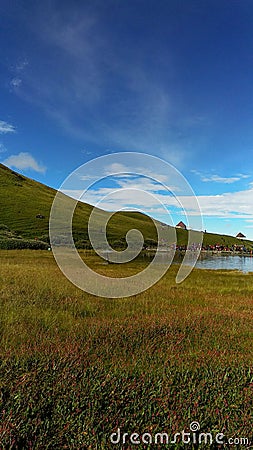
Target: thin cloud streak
(219,179)
(6,127)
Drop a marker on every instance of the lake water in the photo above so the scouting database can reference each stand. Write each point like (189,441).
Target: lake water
(205,261)
(217,261)
(242,263)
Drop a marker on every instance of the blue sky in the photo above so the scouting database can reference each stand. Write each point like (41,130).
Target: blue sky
(173,79)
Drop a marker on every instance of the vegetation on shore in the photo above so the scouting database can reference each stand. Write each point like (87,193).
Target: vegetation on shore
(75,368)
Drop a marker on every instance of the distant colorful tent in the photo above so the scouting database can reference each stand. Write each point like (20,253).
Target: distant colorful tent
(240,236)
(181,225)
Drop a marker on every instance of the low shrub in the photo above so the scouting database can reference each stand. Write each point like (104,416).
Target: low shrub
(18,244)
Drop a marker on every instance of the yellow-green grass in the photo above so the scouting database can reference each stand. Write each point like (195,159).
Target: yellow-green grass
(75,367)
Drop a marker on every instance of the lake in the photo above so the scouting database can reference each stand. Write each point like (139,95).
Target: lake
(215,261)
(242,263)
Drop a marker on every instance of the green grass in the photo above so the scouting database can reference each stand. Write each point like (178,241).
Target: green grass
(22,199)
(75,367)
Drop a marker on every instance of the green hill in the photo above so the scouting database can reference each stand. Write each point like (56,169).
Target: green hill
(25,209)
(212,239)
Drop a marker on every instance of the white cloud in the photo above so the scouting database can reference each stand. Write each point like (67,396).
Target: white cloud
(228,205)
(231,204)
(139,176)
(18,70)
(242,175)
(6,127)
(16,82)
(21,64)
(126,198)
(116,168)
(24,161)
(2,148)
(218,179)
(88,177)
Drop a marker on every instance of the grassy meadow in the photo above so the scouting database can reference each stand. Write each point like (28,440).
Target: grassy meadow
(75,368)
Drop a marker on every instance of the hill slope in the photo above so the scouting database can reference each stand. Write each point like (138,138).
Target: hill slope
(25,209)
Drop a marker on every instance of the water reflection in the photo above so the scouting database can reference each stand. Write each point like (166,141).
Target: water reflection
(236,262)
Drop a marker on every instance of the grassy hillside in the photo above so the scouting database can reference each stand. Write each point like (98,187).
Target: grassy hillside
(22,199)
(213,239)
(223,239)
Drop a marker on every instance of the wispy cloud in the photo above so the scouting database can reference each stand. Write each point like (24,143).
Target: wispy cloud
(2,148)
(16,82)
(98,91)
(18,70)
(6,127)
(219,179)
(243,175)
(21,65)
(23,161)
(140,178)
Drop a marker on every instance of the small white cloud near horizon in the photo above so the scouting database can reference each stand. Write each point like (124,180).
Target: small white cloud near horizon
(6,127)
(24,161)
